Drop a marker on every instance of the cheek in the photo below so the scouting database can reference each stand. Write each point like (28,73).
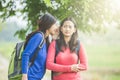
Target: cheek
(53,31)
(62,30)
(73,30)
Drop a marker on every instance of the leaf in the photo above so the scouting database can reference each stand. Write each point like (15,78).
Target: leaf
(48,3)
(20,34)
(1,7)
(63,2)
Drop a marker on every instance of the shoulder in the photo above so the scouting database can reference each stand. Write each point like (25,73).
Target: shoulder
(53,43)
(37,37)
(80,44)
(38,34)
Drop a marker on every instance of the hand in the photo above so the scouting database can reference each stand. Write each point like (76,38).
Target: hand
(75,68)
(24,77)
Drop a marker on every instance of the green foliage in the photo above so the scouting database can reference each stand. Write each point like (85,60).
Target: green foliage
(0,26)
(21,32)
(90,15)
(48,3)
(32,9)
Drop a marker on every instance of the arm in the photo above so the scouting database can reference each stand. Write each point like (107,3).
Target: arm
(83,58)
(50,61)
(30,48)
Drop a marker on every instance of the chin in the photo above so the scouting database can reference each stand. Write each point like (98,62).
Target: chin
(67,35)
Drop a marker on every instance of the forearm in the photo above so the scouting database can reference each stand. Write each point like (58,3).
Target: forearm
(57,67)
(25,61)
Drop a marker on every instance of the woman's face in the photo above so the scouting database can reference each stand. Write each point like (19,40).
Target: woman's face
(54,30)
(68,28)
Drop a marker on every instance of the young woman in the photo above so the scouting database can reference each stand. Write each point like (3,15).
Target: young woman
(47,26)
(65,65)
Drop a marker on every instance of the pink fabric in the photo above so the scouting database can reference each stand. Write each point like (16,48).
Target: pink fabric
(64,60)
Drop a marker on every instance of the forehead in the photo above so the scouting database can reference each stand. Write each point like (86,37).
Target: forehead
(68,23)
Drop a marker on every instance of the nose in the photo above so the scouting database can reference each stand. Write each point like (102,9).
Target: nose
(67,28)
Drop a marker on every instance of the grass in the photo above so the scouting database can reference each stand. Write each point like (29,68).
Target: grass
(105,55)
(6,48)
(114,77)
(101,57)
(104,59)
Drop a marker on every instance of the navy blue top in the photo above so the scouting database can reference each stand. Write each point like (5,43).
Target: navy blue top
(37,70)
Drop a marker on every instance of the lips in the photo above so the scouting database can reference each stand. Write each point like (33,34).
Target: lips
(67,32)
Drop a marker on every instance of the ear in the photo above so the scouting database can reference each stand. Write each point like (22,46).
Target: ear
(47,32)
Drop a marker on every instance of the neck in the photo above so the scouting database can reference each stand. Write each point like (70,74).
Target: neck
(67,39)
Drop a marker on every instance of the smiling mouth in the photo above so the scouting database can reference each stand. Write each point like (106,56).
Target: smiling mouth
(67,32)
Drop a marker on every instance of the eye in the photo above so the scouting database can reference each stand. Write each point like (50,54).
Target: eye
(70,26)
(65,26)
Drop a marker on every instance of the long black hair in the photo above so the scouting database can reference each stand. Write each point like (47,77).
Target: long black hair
(44,23)
(73,41)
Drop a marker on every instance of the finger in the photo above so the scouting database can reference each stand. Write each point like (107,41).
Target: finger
(77,70)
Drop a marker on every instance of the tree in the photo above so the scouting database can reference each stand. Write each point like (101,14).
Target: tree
(91,15)
(32,9)
(96,15)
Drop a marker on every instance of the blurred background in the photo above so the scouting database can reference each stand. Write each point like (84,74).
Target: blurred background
(98,23)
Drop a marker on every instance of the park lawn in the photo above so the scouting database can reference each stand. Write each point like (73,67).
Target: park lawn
(114,77)
(103,55)
(6,48)
(100,56)
(104,59)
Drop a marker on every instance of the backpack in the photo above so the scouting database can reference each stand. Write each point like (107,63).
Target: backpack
(57,51)
(14,70)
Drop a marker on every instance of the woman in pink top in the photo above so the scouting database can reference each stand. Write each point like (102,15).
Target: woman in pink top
(65,65)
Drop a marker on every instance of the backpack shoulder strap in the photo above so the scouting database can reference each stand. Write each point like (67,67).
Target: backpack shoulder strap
(78,49)
(37,50)
(56,53)
(57,49)
(18,50)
